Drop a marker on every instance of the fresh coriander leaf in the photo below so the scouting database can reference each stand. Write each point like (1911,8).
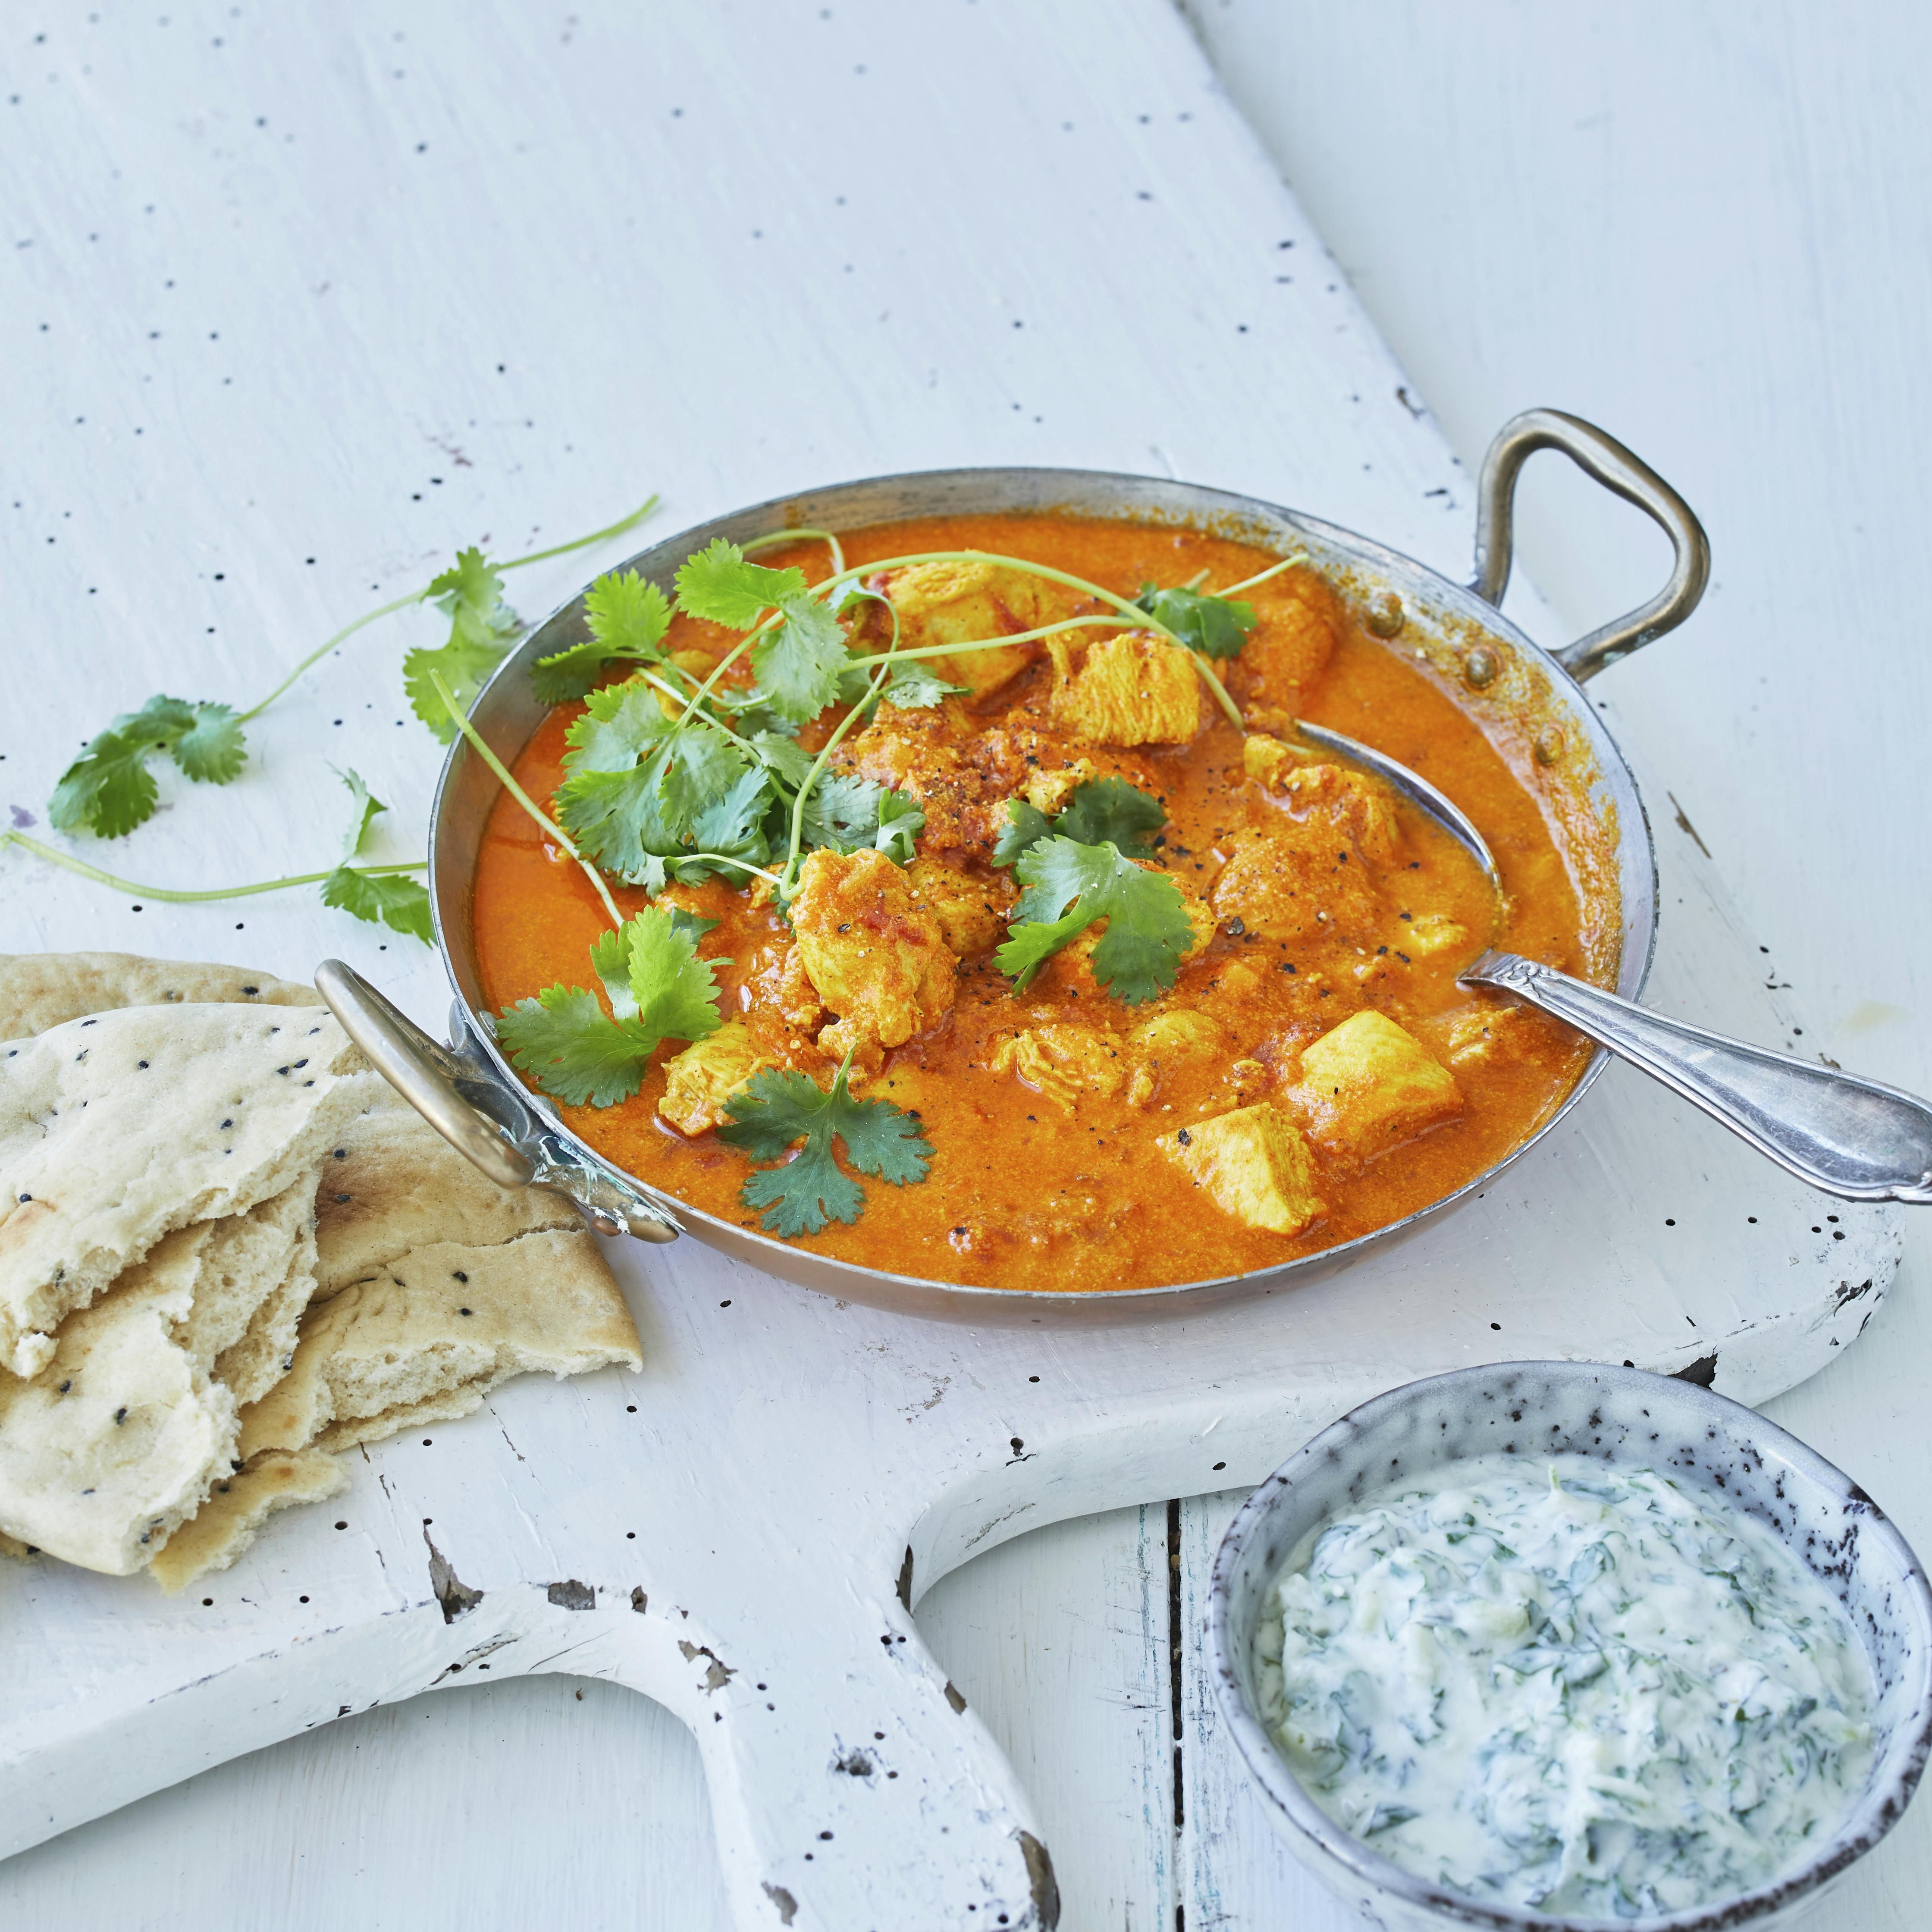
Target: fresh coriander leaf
(628,617)
(901,820)
(694,925)
(913,687)
(799,665)
(367,807)
(849,814)
(393,899)
(1103,811)
(719,585)
(211,750)
(109,790)
(481,627)
(565,1041)
(1216,627)
(1110,811)
(1026,825)
(463,667)
(778,1108)
(1148,932)
(785,756)
(640,791)
(470,593)
(732,827)
(842,811)
(659,989)
(675,992)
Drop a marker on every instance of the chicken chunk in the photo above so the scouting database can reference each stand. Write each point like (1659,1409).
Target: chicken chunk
(1048,792)
(923,753)
(1169,1044)
(972,913)
(1430,933)
(1064,1064)
(1133,689)
(874,956)
(1253,1164)
(1484,1032)
(956,602)
(1288,887)
(1287,650)
(1356,806)
(699,1081)
(1367,1085)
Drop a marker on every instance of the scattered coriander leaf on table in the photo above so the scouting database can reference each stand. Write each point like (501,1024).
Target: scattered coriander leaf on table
(659,989)
(391,899)
(481,627)
(368,808)
(109,790)
(1216,627)
(778,1108)
(1147,933)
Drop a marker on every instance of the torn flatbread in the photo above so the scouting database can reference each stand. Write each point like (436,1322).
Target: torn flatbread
(391,1183)
(40,990)
(237,1507)
(431,1335)
(119,1438)
(119,1129)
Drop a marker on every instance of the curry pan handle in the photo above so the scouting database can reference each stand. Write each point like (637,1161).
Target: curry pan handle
(467,1101)
(1601,456)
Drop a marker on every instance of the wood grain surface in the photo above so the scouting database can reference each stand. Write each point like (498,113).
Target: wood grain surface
(362,285)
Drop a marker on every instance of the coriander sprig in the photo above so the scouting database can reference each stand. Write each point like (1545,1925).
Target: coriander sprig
(108,790)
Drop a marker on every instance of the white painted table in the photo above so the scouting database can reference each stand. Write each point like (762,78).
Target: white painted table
(279,263)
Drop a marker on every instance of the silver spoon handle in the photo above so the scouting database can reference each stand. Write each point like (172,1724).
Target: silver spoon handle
(1857,1138)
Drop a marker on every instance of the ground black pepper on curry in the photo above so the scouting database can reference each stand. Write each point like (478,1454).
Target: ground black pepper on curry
(1123,994)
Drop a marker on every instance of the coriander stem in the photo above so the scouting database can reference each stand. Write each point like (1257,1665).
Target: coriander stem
(523,798)
(774,537)
(670,690)
(615,530)
(322,650)
(785,885)
(991,644)
(1261,576)
(172,897)
(719,859)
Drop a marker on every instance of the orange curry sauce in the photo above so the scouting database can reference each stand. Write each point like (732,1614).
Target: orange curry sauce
(1030,1190)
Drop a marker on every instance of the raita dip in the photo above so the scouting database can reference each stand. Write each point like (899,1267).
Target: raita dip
(1563,1685)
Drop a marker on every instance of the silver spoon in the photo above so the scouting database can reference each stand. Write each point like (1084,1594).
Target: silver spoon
(1855,1138)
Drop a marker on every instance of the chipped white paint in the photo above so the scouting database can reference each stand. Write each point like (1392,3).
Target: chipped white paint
(668,295)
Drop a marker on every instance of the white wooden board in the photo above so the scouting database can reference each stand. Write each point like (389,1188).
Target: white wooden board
(767,366)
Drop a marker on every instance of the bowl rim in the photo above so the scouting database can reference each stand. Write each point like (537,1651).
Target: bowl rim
(1139,498)
(1870,1817)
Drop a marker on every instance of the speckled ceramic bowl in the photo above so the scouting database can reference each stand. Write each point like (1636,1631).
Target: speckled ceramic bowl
(1622,1415)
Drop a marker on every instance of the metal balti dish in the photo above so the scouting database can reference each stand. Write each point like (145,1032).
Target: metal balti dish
(1528,701)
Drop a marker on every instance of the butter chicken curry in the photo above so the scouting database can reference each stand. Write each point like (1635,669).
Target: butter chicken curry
(967,934)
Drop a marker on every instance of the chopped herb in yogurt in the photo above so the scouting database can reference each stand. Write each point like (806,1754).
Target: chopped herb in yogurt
(1566,1686)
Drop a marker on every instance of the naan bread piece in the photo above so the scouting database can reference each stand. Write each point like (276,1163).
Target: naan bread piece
(236,1508)
(118,1129)
(391,1183)
(118,1439)
(430,1336)
(40,990)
